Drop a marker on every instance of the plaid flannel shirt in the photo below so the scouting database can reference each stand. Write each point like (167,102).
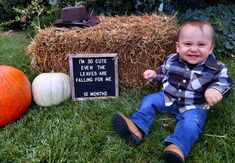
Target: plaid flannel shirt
(185,87)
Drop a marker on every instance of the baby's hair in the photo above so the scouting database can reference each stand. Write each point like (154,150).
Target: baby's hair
(198,23)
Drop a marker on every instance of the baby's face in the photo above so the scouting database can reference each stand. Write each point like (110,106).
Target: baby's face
(195,44)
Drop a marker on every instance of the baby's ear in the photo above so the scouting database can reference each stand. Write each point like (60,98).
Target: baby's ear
(212,48)
(177,47)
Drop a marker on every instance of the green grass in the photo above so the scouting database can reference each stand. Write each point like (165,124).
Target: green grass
(81,131)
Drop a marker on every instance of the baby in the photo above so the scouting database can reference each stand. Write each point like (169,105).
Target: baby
(193,80)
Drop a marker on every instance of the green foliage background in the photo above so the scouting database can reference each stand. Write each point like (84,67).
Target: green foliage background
(222,18)
(6,8)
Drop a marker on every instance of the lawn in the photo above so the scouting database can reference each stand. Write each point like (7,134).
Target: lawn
(81,131)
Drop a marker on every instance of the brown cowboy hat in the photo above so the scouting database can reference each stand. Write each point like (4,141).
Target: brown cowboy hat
(75,16)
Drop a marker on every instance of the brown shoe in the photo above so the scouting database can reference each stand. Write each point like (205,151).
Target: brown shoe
(126,129)
(172,154)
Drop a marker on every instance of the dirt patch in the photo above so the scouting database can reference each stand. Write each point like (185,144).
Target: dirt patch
(11,32)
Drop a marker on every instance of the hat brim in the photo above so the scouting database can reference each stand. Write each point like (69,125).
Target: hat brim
(93,20)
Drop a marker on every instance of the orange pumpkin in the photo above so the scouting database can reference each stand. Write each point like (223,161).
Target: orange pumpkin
(15,94)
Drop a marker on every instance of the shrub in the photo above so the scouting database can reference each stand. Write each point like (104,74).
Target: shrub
(109,7)
(36,15)
(27,14)
(222,18)
(7,13)
(219,1)
(129,7)
(6,10)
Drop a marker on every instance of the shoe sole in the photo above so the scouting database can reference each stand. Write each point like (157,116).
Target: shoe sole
(172,157)
(121,128)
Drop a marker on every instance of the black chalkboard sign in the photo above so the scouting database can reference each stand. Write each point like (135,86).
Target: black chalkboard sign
(94,75)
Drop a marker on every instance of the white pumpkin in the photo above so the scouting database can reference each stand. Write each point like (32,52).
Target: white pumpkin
(51,88)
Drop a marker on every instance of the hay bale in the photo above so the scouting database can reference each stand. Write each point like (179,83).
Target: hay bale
(142,42)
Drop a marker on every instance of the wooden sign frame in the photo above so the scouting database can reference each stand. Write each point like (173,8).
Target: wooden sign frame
(94,76)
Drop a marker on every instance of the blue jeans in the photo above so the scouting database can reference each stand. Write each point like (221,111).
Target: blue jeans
(188,127)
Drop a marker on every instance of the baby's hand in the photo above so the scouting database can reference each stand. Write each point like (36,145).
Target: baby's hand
(149,74)
(213,96)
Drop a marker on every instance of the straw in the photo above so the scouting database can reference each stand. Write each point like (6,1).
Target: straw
(142,42)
